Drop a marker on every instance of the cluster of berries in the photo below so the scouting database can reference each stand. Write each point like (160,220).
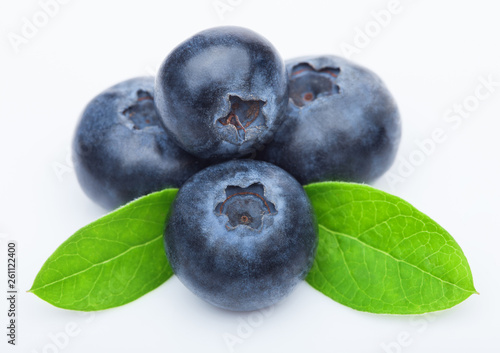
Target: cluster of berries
(238,131)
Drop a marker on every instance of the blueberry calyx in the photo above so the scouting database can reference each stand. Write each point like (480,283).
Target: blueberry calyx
(307,83)
(141,114)
(245,206)
(244,114)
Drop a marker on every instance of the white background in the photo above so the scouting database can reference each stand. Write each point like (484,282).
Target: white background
(431,54)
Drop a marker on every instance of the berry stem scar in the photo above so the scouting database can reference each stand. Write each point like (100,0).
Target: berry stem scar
(245,193)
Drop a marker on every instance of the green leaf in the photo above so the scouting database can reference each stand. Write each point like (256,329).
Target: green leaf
(377,253)
(111,261)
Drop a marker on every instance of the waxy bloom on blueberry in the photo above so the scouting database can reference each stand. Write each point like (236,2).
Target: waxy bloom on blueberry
(241,234)
(341,123)
(120,149)
(222,93)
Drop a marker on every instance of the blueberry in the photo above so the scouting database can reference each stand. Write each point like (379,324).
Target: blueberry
(120,149)
(222,93)
(241,234)
(341,123)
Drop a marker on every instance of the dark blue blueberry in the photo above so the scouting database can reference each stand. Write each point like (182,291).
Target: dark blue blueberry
(222,93)
(241,234)
(341,123)
(120,149)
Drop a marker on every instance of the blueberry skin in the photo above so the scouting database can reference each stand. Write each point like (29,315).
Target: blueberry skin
(222,93)
(341,123)
(241,234)
(120,149)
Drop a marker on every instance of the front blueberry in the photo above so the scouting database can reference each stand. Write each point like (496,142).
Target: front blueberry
(121,150)
(241,234)
(222,93)
(341,123)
